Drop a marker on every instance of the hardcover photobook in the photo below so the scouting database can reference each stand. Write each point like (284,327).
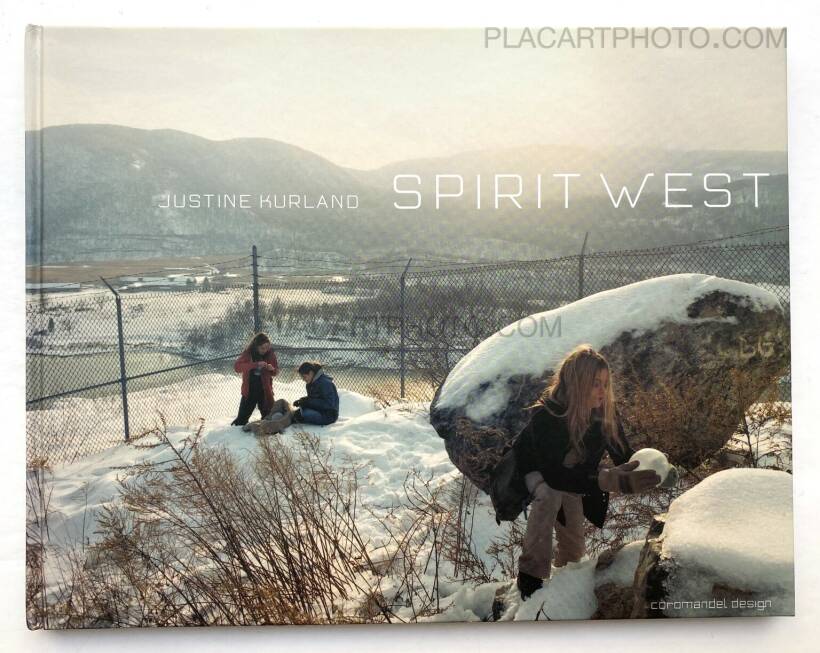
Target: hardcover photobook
(406,325)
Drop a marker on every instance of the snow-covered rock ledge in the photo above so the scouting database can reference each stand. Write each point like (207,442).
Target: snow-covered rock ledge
(725,548)
(712,343)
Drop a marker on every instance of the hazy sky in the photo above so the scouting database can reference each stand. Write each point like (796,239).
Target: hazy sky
(364,98)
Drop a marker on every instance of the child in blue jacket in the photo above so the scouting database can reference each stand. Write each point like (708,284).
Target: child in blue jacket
(321,405)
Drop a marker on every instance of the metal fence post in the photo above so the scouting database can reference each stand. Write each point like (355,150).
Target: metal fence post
(403,333)
(255,264)
(581,267)
(123,378)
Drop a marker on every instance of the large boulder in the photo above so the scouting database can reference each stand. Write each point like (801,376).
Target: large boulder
(724,548)
(689,354)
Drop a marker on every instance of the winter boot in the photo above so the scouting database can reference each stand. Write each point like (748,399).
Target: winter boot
(527,584)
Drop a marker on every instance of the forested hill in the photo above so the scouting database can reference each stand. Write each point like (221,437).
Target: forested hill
(103,188)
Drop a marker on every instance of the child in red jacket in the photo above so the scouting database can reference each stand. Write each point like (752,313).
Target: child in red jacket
(257,364)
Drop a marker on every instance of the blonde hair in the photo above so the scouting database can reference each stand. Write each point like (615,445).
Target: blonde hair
(571,386)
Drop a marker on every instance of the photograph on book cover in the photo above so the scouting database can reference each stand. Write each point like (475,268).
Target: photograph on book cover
(406,325)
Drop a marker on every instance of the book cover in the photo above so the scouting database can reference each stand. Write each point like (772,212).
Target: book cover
(395,326)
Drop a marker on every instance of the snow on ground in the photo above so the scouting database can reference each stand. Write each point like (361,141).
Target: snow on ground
(539,342)
(76,424)
(361,434)
(87,322)
(568,594)
(391,441)
(469,603)
(741,529)
(735,527)
(622,569)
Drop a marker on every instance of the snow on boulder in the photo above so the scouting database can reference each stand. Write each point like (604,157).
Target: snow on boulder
(694,338)
(724,548)
(613,581)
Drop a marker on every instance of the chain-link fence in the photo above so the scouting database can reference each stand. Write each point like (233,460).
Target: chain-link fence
(105,360)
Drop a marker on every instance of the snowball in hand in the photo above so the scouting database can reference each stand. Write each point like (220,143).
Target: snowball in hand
(656,460)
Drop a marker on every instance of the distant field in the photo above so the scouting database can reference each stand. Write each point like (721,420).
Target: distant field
(75,272)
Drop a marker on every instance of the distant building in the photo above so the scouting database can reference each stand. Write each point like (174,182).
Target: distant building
(169,282)
(53,287)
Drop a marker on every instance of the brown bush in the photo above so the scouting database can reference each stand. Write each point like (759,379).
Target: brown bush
(661,417)
(203,539)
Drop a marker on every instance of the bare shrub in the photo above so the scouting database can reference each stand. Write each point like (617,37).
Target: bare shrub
(199,539)
(38,498)
(429,540)
(663,413)
(505,549)
(462,497)
(761,441)
(57,594)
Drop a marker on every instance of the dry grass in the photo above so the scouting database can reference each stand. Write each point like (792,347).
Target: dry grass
(661,417)
(202,539)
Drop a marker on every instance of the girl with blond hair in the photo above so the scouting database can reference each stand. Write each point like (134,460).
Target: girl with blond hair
(558,452)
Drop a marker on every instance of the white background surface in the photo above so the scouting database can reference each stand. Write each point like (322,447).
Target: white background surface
(782,634)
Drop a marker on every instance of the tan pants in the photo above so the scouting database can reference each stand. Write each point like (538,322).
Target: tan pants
(536,553)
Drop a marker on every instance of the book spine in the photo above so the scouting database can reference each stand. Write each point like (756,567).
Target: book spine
(35,190)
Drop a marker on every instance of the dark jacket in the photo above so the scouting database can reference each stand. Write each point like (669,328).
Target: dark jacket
(322,396)
(544,442)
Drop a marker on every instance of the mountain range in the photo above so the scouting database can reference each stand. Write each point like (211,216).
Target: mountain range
(95,192)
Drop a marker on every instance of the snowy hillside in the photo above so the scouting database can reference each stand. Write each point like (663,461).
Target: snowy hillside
(392,440)
(389,443)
